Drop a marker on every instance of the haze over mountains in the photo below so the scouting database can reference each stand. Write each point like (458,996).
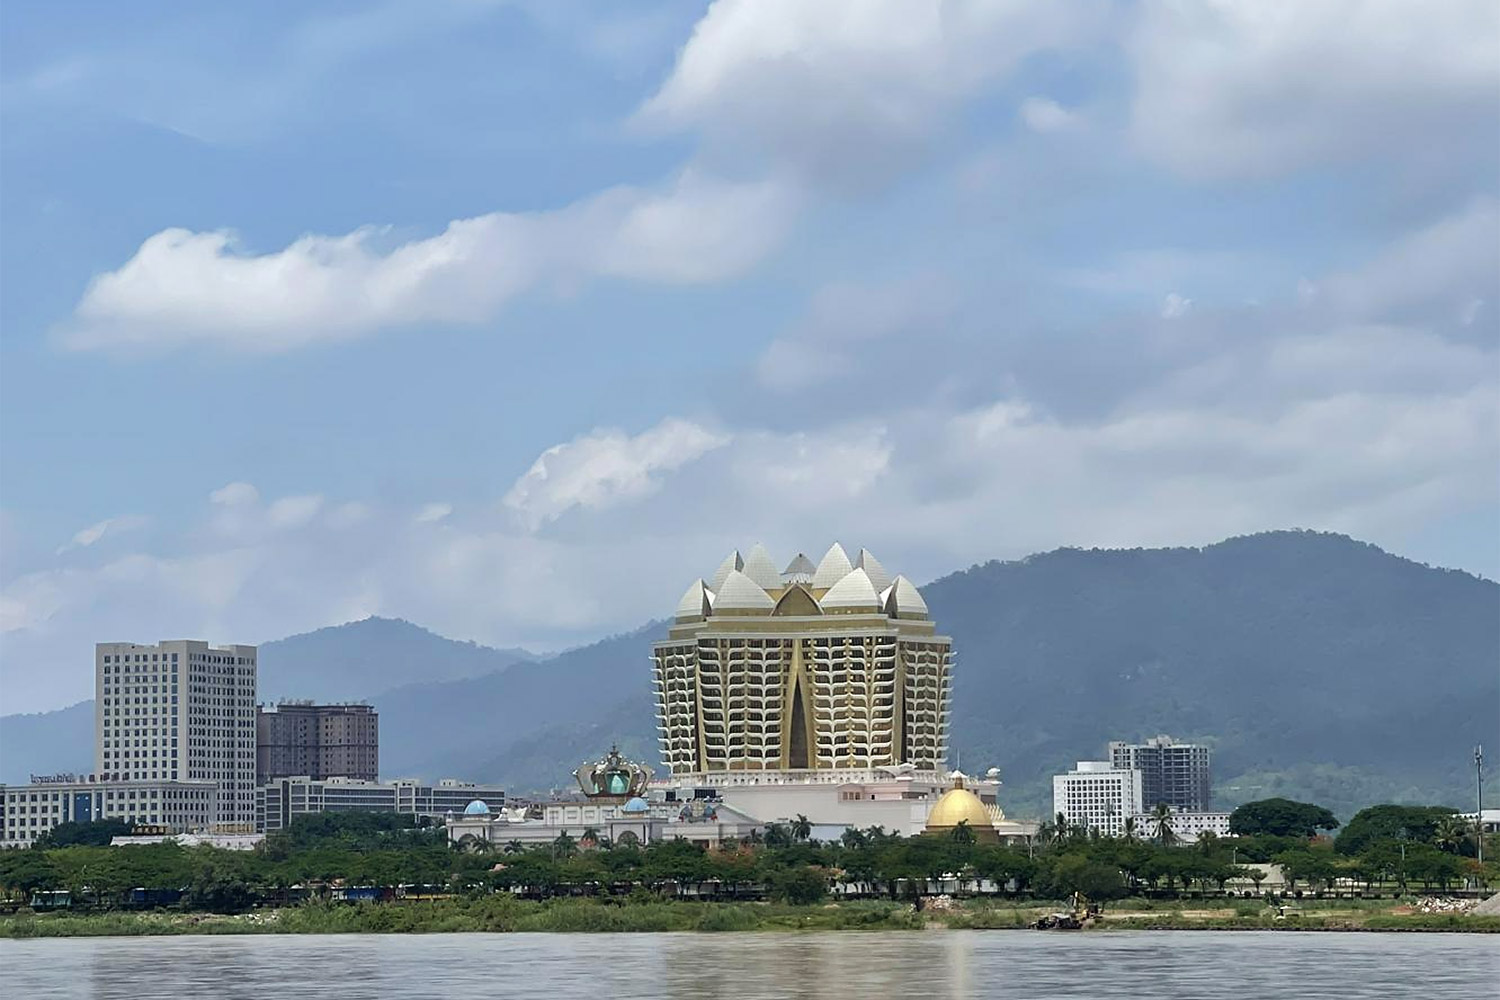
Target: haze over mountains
(1317,666)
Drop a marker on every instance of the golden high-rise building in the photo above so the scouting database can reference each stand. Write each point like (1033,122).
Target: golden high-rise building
(810,668)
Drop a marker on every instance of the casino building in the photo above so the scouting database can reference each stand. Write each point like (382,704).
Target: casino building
(816,690)
(833,667)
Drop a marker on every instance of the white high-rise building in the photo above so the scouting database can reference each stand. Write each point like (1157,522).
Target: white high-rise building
(180,710)
(1096,795)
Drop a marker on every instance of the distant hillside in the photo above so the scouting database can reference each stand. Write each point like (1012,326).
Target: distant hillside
(1314,664)
(47,742)
(1317,666)
(364,659)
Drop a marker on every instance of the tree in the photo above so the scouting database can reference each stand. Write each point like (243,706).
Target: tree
(1130,825)
(1161,820)
(1418,824)
(1452,834)
(514,847)
(94,834)
(962,834)
(801,828)
(800,885)
(1281,818)
(564,846)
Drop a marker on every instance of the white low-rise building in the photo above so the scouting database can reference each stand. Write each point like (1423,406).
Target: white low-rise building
(1187,827)
(634,821)
(28,811)
(281,800)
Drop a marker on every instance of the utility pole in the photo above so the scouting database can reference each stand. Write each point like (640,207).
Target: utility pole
(1479,800)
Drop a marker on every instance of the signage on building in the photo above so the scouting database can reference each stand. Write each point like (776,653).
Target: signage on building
(60,778)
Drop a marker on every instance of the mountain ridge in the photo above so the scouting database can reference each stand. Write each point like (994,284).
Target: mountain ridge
(1262,646)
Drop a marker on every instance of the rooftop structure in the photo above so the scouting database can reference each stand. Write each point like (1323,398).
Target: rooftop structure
(825,666)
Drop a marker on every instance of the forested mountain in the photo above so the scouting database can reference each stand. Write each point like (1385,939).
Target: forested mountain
(1317,667)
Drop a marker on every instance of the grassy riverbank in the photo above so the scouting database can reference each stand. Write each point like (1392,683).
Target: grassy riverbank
(501,914)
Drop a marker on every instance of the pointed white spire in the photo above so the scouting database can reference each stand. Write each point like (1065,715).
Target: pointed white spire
(879,578)
(731,563)
(834,567)
(694,603)
(740,593)
(799,570)
(761,568)
(905,600)
(853,591)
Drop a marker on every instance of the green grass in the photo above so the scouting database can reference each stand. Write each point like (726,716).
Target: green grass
(502,913)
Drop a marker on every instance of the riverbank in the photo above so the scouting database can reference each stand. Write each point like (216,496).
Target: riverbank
(502,914)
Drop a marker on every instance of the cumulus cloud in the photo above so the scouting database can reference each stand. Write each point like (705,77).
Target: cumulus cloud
(1042,114)
(1242,88)
(183,287)
(845,318)
(606,467)
(293,512)
(844,89)
(235,495)
(433,512)
(1175,306)
(93,533)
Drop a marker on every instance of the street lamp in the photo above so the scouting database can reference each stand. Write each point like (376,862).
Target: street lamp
(1479,799)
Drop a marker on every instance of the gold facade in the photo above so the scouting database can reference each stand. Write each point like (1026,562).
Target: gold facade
(805,678)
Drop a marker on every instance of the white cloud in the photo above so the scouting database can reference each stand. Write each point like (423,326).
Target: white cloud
(1175,306)
(1042,114)
(1244,88)
(1440,270)
(235,495)
(293,512)
(845,316)
(184,287)
(433,512)
(847,87)
(606,467)
(93,533)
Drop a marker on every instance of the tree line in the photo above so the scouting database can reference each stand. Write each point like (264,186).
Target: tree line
(1390,846)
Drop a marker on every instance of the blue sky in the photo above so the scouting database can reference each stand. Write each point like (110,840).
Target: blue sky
(512,318)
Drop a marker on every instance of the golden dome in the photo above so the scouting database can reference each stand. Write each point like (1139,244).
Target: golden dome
(959,805)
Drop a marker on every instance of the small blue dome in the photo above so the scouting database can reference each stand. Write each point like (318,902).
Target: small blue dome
(636,805)
(476,808)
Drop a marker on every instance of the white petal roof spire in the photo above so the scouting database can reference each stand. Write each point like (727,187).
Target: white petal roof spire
(760,567)
(834,567)
(905,600)
(694,603)
(731,562)
(799,570)
(853,591)
(879,578)
(740,593)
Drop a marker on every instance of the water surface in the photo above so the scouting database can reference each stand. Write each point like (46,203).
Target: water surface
(1152,965)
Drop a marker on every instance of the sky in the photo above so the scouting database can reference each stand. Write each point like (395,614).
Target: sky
(512,319)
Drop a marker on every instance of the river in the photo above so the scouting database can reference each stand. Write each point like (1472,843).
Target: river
(1153,965)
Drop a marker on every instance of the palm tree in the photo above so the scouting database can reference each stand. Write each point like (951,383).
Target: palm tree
(564,846)
(962,834)
(1161,819)
(1451,834)
(514,847)
(1129,827)
(589,838)
(801,828)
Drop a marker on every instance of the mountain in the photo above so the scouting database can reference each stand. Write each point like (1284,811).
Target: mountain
(1316,666)
(365,659)
(47,742)
(357,661)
